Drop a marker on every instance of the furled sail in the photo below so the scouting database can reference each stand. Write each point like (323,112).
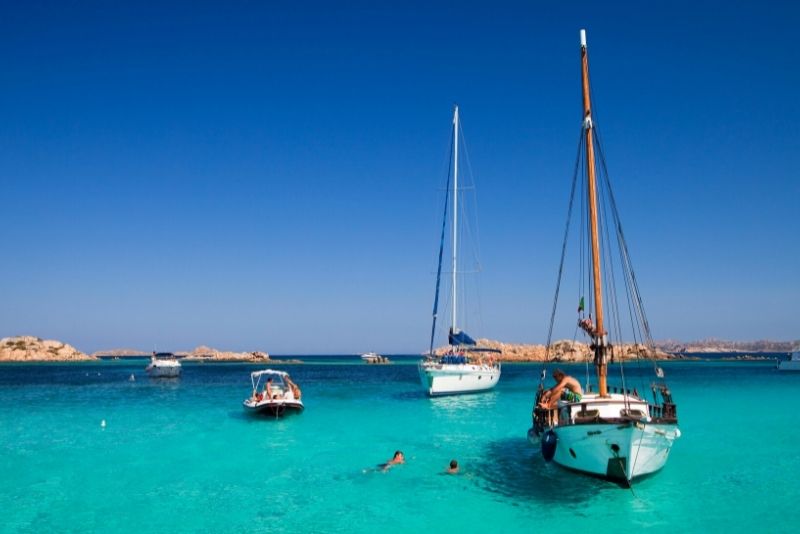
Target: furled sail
(459,337)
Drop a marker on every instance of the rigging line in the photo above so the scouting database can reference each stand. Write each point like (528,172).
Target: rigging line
(473,188)
(564,247)
(582,244)
(441,250)
(632,313)
(638,304)
(626,254)
(611,283)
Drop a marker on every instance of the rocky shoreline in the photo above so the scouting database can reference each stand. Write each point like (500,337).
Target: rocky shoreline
(34,349)
(569,351)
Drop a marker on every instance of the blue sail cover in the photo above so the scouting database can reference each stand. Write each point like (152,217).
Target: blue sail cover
(459,337)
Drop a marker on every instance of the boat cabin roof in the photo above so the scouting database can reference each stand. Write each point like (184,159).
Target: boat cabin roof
(258,374)
(164,355)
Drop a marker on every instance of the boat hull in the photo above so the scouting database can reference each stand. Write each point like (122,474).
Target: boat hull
(160,371)
(620,453)
(453,379)
(275,408)
(789,365)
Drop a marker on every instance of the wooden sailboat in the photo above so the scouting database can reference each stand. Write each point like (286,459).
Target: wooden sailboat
(613,432)
(464,369)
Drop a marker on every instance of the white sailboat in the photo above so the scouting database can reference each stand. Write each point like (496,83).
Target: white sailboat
(612,432)
(465,368)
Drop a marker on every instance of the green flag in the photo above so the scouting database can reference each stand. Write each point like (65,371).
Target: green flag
(580,306)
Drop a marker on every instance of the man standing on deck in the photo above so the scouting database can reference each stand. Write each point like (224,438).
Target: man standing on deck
(566,388)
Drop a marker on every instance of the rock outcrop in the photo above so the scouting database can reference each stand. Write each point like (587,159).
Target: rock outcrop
(719,345)
(203,353)
(34,349)
(566,351)
(121,352)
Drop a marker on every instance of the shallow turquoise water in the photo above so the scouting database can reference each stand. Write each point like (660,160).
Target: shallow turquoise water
(184,457)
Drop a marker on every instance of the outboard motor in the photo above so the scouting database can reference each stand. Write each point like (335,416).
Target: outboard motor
(549,442)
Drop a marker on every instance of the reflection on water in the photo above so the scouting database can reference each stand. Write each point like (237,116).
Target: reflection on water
(409,395)
(461,404)
(513,467)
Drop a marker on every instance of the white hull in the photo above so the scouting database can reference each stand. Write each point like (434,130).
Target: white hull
(164,369)
(452,379)
(641,448)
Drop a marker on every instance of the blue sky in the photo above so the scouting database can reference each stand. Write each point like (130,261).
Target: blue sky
(267,174)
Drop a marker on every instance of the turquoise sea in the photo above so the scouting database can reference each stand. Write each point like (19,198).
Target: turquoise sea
(181,456)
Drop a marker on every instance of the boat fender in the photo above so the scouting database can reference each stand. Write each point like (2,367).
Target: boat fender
(549,442)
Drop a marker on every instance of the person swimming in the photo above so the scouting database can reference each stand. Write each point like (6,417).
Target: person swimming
(453,469)
(397,459)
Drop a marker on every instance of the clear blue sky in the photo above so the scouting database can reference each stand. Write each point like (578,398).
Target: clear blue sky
(267,174)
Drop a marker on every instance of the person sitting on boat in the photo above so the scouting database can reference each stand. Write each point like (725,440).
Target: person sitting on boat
(294,388)
(566,388)
(268,388)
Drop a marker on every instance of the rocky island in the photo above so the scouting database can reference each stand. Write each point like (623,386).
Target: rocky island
(199,354)
(568,351)
(34,349)
(719,345)
(207,354)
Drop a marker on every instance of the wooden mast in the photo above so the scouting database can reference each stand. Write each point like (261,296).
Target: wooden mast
(600,362)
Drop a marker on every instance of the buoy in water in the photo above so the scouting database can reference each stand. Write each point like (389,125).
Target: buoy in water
(132,378)
(549,442)
(103,423)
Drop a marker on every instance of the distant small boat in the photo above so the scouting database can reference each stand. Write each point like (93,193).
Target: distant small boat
(278,397)
(163,365)
(792,364)
(374,357)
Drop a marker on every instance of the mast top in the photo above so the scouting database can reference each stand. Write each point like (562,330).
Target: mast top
(583,38)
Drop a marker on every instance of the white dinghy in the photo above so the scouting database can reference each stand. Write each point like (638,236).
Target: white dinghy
(277,397)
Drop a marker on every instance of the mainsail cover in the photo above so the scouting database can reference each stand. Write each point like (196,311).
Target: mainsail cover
(459,337)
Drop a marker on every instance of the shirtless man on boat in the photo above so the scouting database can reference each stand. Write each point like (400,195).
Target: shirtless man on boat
(566,388)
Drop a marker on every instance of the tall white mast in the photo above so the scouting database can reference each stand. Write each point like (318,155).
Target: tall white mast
(455,213)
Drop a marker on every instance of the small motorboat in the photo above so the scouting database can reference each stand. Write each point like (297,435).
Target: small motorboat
(278,394)
(792,364)
(163,365)
(374,357)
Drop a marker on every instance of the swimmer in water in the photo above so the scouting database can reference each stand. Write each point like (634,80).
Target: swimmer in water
(453,469)
(398,458)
